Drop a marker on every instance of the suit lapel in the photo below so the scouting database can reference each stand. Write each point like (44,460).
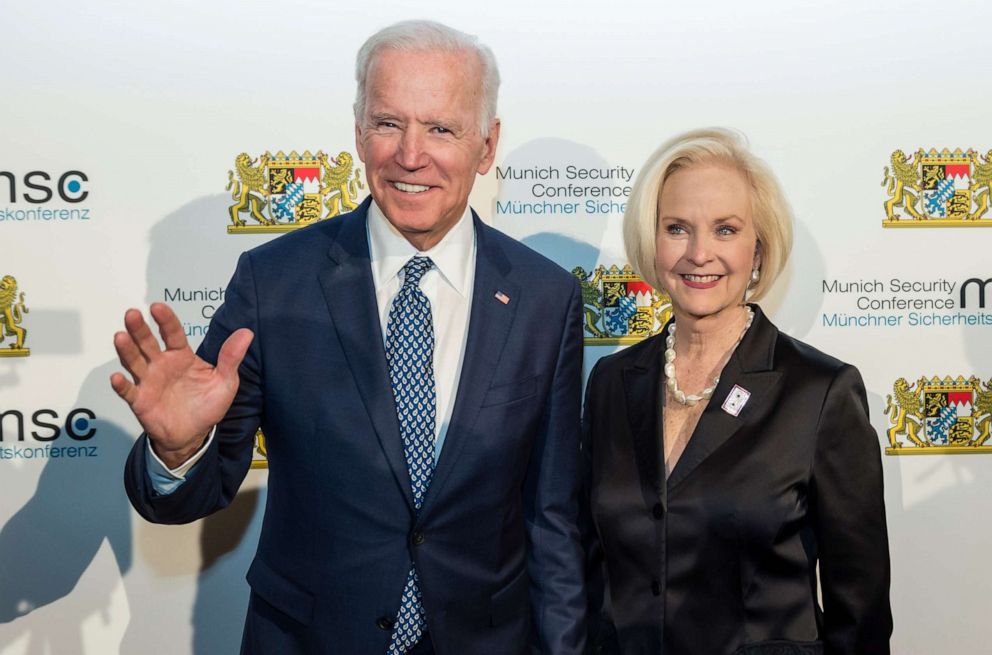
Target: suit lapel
(642,391)
(350,295)
(749,367)
(488,331)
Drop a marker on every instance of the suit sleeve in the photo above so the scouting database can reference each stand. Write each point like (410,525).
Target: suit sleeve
(849,520)
(550,503)
(225,463)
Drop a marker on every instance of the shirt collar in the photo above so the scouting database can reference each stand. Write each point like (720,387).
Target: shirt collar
(390,250)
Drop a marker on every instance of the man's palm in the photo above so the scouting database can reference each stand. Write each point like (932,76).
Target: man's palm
(176,396)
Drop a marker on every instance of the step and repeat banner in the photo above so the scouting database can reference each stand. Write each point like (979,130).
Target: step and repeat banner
(143,147)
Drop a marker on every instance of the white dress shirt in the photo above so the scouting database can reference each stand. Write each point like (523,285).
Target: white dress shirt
(448,286)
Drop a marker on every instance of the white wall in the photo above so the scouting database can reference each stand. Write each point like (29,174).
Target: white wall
(153,102)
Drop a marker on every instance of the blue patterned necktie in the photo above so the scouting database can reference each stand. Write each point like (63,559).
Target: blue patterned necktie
(410,356)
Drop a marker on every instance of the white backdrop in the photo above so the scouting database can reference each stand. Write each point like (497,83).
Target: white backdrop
(153,102)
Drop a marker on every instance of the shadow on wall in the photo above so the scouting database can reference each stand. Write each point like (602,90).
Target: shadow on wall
(564,251)
(795,300)
(191,251)
(9,372)
(570,253)
(48,544)
(52,332)
(227,545)
(529,194)
(938,495)
(50,549)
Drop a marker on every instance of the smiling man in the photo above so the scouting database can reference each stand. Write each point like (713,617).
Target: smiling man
(424,132)
(417,377)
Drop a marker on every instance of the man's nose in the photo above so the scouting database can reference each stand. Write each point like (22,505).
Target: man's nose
(412,152)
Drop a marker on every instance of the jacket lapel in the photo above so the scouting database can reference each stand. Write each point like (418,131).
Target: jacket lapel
(488,331)
(642,391)
(749,367)
(350,295)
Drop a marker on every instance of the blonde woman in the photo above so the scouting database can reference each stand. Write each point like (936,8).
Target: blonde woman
(731,469)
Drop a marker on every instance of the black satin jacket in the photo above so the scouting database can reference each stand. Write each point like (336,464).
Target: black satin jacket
(722,558)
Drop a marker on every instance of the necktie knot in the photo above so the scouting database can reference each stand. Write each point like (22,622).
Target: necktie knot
(414,269)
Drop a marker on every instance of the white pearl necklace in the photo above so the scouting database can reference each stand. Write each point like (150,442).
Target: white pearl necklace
(673,384)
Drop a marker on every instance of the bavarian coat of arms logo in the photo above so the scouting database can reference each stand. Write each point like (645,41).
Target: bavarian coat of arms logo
(938,189)
(620,307)
(934,416)
(279,193)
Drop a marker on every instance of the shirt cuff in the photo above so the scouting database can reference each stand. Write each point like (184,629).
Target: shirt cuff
(166,480)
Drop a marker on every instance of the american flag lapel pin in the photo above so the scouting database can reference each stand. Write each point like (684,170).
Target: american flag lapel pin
(502,297)
(736,400)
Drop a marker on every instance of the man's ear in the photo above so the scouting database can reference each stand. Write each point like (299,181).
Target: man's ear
(358,142)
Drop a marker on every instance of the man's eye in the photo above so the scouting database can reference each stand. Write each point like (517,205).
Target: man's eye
(441,130)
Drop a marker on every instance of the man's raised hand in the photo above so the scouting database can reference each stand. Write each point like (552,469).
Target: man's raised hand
(176,396)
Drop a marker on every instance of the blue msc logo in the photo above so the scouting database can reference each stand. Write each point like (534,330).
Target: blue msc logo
(39,187)
(45,427)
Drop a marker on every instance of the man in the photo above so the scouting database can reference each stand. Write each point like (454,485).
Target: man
(417,377)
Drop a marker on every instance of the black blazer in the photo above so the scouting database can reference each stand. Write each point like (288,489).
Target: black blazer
(722,558)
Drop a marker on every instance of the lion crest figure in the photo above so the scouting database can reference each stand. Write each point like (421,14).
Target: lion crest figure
(12,311)
(901,183)
(338,186)
(592,298)
(249,189)
(983,409)
(905,412)
(981,183)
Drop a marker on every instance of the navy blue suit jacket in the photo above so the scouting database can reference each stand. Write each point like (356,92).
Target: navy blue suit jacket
(496,542)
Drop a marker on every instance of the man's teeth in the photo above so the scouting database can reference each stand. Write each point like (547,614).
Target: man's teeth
(702,278)
(410,188)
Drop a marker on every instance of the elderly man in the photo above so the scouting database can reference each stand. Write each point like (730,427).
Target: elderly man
(417,376)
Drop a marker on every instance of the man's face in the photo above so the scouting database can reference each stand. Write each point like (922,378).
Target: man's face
(420,139)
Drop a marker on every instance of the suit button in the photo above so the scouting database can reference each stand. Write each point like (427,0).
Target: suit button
(656,587)
(418,538)
(384,623)
(658,511)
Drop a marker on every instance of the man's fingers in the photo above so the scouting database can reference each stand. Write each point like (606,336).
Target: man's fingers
(169,326)
(141,334)
(124,388)
(129,355)
(233,351)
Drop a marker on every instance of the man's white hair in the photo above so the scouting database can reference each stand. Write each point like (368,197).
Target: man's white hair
(421,36)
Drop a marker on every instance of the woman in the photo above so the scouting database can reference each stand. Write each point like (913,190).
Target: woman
(725,460)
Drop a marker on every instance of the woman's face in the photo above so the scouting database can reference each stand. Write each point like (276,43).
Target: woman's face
(707,243)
